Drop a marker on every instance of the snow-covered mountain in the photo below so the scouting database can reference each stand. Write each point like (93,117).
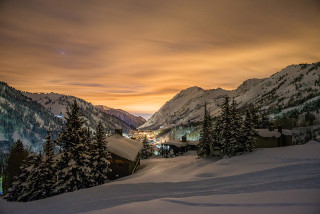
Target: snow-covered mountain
(289,88)
(22,118)
(123,115)
(28,116)
(57,105)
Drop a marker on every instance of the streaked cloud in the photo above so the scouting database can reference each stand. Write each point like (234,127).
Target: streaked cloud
(136,55)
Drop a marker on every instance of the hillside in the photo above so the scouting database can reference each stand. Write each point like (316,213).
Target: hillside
(123,115)
(22,118)
(57,105)
(293,86)
(28,116)
(275,180)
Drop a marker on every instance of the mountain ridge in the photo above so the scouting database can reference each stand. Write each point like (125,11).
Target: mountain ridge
(123,115)
(293,84)
(57,104)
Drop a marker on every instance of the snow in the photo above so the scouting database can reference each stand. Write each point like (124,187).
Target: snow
(289,201)
(271,180)
(124,147)
(176,143)
(274,133)
(267,133)
(192,143)
(287,132)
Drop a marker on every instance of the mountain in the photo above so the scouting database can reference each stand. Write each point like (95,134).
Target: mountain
(293,87)
(22,118)
(123,115)
(57,105)
(28,116)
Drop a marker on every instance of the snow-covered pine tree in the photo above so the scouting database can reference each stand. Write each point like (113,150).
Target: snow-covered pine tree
(265,120)
(16,158)
(92,152)
(36,179)
(254,115)
(236,122)
(216,134)
(74,170)
(101,158)
(45,175)
(226,133)
(21,187)
(205,141)
(146,151)
(248,132)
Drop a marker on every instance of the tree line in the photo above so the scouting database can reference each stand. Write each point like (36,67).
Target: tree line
(82,162)
(231,133)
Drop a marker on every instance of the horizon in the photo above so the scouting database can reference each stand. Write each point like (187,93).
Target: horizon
(136,56)
(145,115)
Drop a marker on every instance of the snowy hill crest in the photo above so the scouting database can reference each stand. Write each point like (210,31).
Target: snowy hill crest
(290,87)
(57,105)
(123,115)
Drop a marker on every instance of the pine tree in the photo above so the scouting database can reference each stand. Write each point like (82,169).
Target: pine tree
(36,178)
(309,118)
(45,174)
(254,115)
(248,132)
(101,158)
(21,187)
(93,153)
(74,170)
(216,134)
(236,122)
(206,140)
(3,163)
(146,151)
(226,133)
(265,120)
(16,158)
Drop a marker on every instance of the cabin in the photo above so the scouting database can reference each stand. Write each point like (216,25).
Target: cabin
(178,147)
(125,156)
(268,138)
(174,147)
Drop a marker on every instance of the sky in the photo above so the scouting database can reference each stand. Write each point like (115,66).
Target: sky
(137,54)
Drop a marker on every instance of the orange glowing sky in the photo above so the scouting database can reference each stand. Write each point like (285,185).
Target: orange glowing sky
(136,55)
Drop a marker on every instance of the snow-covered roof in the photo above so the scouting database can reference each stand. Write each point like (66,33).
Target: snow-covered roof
(192,143)
(287,132)
(176,143)
(267,133)
(274,133)
(124,147)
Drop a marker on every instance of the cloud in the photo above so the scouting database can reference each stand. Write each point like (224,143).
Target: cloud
(136,55)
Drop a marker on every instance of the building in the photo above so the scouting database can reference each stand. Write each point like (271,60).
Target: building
(178,147)
(173,148)
(268,138)
(125,154)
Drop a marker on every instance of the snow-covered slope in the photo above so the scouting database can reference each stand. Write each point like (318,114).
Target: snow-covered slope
(123,115)
(290,87)
(21,118)
(124,147)
(186,106)
(57,104)
(275,180)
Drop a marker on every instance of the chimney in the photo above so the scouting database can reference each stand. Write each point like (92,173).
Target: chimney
(184,138)
(280,129)
(271,127)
